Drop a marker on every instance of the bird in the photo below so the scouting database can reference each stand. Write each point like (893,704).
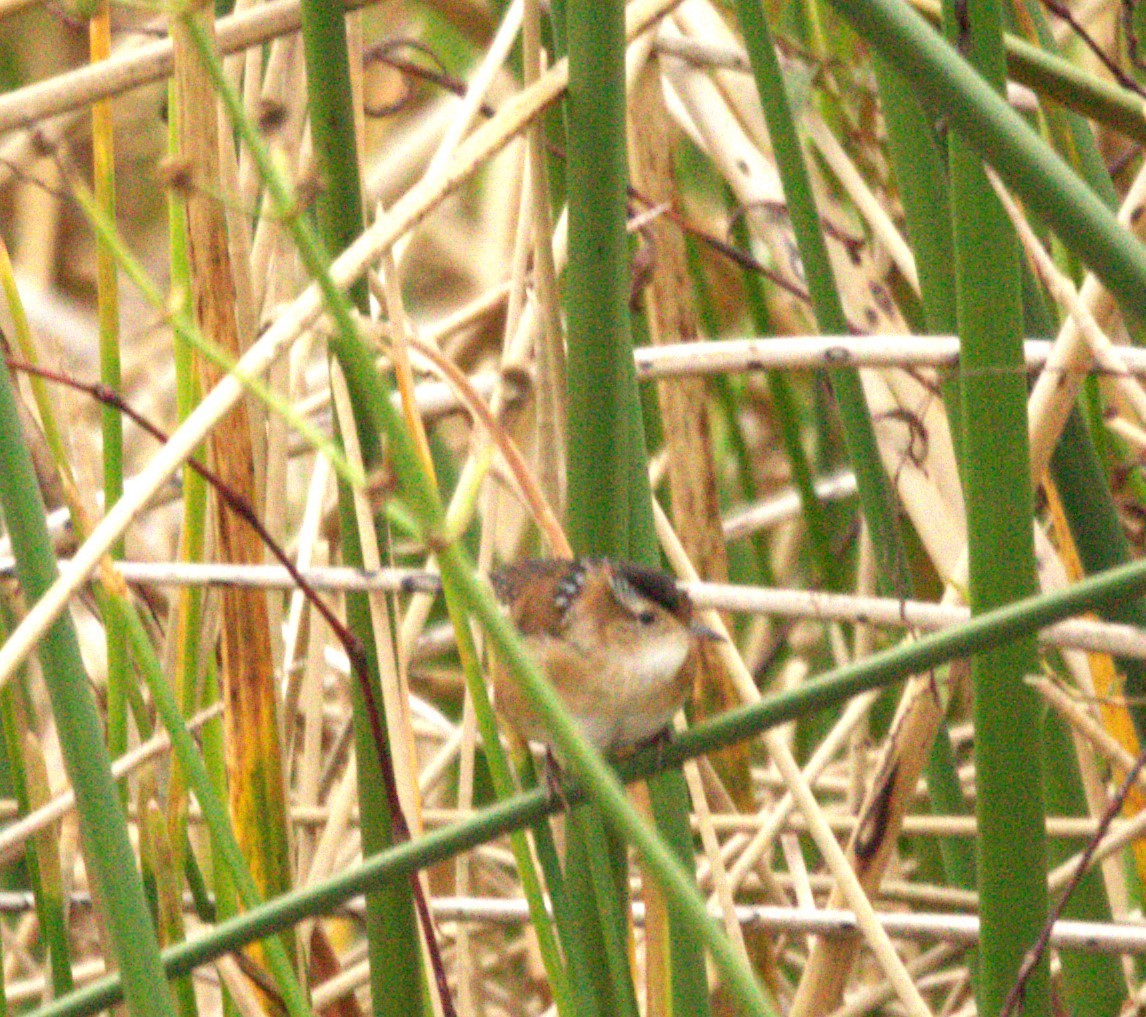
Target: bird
(611,637)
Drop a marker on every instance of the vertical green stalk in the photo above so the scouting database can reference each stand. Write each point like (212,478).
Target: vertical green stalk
(875,492)
(920,169)
(610,502)
(227,853)
(41,853)
(1073,135)
(189,691)
(111,424)
(602,434)
(1094,982)
(331,104)
(153,841)
(192,539)
(102,821)
(921,175)
(1092,516)
(996,477)
(787,416)
(391,930)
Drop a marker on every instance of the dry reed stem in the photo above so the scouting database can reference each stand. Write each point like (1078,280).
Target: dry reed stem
(867,204)
(1054,393)
(1079,633)
(1101,350)
(781,755)
(1130,433)
(813,352)
(530,489)
(784,506)
(306,540)
(1091,672)
(797,867)
(140,63)
(955,930)
(723,888)
(725,108)
(395,690)
(1115,840)
(774,818)
(873,996)
(401,328)
(872,843)
(395,671)
(517,338)
(239,988)
(308,788)
(466,975)
(30,991)
(1074,712)
(252,746)
(274,266)
(341,802)
(274,277)
(916,450)
(550,349)
(464,114)
(705,53)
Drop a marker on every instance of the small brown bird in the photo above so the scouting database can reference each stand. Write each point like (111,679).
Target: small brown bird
(611,637)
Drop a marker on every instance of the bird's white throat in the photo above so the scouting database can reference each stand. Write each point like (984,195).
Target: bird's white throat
(658,662)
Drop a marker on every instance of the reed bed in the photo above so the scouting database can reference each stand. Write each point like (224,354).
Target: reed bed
(316,312)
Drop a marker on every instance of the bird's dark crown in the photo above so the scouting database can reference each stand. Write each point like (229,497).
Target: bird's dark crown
(653,585)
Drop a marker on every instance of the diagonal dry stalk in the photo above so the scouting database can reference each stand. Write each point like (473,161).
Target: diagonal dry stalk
(780,753)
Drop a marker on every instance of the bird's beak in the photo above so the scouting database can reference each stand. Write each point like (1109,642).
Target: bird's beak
(702,631)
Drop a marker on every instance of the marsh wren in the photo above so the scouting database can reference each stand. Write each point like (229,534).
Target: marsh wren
(611,637)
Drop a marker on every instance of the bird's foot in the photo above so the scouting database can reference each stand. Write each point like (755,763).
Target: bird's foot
(555,781)
(655,743)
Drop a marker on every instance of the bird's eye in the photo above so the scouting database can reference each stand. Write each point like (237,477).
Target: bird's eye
(646,617)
